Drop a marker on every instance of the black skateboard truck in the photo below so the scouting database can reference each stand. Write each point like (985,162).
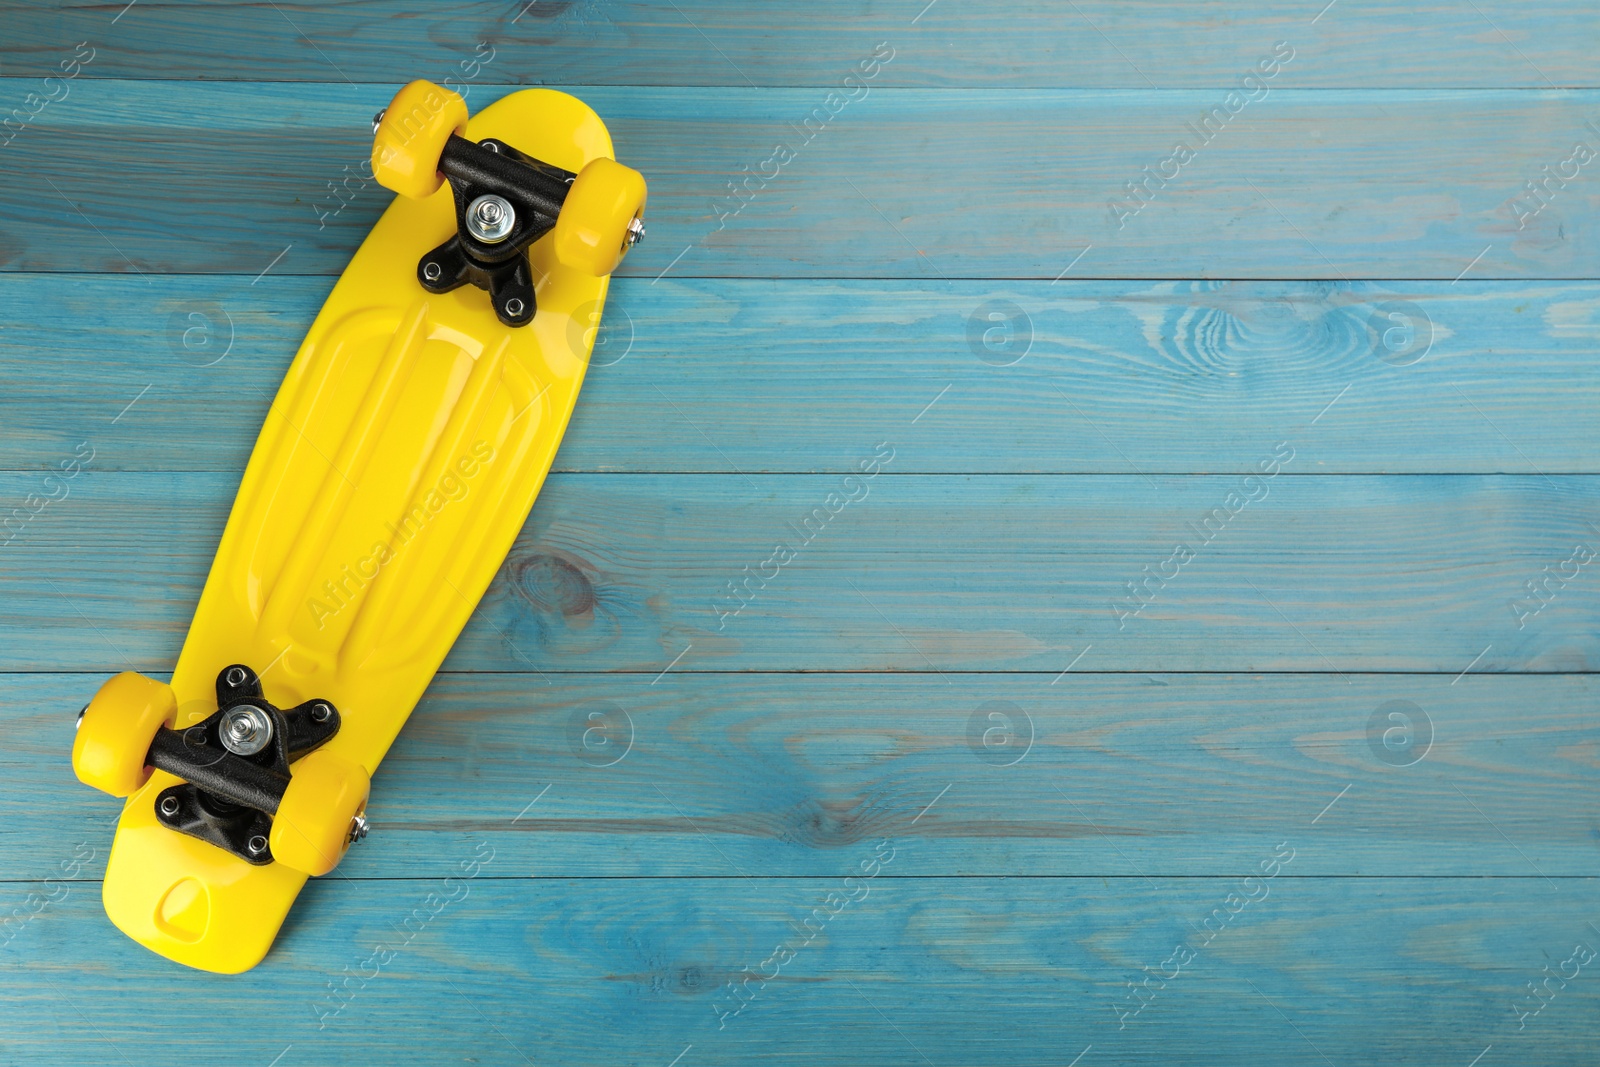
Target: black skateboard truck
(505,201)
(235,765)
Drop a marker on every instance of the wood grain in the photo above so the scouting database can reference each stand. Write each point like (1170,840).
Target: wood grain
(798,376)
(905,183)
(1091,43)
(539,970)
(998,775)
(925,573)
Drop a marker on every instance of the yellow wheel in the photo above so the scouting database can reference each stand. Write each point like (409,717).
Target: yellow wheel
(412,134)
(596,226)
(115,731)
(317,815)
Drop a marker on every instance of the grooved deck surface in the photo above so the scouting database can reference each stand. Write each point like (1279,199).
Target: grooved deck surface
(1204,674)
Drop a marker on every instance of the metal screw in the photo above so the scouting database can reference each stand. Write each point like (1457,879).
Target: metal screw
(358,828)
(490,219)
(431,271)
(195,736)
(169,806)
(320,712)
(378,119)
(635,232)
(514,308)
(245,729)
(236,676)
(257,845)
(493,146)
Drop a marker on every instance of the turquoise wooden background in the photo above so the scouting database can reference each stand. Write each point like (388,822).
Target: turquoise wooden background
(936,794)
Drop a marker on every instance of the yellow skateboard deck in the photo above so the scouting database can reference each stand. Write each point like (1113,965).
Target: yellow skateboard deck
(396,466)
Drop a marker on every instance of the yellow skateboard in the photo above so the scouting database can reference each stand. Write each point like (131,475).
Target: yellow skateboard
(397,464)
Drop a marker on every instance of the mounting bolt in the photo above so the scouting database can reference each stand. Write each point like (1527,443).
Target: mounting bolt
(169,806)
(256,845)
(358,828)
(378,119)
(514,307)
(490,218)
(245,729)
(635,232)
(431,271)
(320,712)
(235,676)
(195,737)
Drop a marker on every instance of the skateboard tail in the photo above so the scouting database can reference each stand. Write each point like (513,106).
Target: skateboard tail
(188,900)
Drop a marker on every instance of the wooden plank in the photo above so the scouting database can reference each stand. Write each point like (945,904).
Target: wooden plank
(1000,775)
(1094,43)
(921,573)
(797,376)
(911,970)
(922,183)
